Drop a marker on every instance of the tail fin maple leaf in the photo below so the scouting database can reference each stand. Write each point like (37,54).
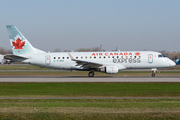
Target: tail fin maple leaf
(18,44)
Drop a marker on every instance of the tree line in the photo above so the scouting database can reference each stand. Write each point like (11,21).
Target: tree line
(93,49)
(4,51)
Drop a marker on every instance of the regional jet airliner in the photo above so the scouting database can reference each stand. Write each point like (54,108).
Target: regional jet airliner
(109,62)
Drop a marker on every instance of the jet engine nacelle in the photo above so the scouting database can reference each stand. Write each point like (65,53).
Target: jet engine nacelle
(154,69)
(2,59)
(111,69)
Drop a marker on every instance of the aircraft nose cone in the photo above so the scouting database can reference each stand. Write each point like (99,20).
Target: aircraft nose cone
(172,63)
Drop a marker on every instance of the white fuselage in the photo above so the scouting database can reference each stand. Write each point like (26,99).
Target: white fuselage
(122,59)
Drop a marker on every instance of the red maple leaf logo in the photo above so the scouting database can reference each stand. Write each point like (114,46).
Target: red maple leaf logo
(18,44)
(137,53)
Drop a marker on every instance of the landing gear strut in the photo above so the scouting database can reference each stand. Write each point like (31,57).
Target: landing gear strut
(153,74)
(91,74)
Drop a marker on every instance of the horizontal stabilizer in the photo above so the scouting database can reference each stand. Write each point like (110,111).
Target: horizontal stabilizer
(15,57)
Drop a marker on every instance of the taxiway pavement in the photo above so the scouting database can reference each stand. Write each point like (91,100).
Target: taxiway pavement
(87,79)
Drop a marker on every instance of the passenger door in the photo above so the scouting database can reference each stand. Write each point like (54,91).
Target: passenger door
(150,58)
(48,60)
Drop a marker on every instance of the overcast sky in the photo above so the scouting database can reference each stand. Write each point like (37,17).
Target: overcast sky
(72,24)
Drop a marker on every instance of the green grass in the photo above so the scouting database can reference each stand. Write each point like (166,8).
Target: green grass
(169,104)
(90,109)
(89,116)
(106,109)
(90,89)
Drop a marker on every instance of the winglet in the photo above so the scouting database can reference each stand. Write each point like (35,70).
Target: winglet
(72,58)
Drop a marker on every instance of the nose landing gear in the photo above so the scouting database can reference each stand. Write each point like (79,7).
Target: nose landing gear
(153,74)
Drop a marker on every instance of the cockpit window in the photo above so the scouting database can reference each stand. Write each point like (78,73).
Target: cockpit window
(159,56)
(163,55)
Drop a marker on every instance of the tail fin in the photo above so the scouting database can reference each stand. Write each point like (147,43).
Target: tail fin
(19,43)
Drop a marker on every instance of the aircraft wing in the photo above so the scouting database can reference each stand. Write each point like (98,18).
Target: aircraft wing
(85,64)
(11,57)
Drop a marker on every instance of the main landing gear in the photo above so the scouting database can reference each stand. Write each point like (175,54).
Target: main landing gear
(91,74)
(153,74)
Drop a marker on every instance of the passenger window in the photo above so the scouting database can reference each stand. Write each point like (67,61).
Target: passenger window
(99,56)
(58,57)
(86,57)
(67,57)
(117,56)
(104,56)
(121,56)
(54,57)
(108,56)
(76,57)
(90,57)
(94,57)
(63,58)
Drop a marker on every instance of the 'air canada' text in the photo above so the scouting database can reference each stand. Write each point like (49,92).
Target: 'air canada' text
(115,54)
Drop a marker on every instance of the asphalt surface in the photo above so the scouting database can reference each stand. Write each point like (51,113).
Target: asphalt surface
(88,79)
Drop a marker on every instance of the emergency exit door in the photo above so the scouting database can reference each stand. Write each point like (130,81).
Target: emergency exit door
(150,58)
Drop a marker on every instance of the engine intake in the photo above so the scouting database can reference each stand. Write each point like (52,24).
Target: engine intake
(111,69)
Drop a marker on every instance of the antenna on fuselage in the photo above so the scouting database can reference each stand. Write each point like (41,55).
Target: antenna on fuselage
(101,47)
